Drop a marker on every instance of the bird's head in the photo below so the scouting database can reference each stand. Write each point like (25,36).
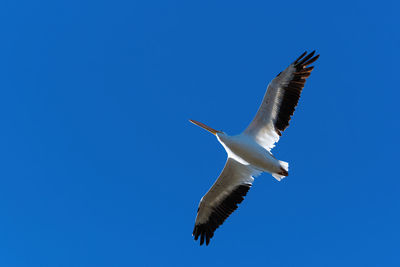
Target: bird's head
(211,130)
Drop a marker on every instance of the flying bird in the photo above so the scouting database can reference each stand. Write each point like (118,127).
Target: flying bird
(249,153)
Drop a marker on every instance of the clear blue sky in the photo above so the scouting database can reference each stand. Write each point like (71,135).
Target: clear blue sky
(100,166)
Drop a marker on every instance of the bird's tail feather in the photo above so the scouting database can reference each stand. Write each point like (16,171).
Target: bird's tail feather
(284,171)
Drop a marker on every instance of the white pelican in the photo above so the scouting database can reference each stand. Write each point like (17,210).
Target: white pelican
(249,153)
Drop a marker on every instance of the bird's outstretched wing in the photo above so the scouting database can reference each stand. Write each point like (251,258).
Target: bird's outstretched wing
(280,101)
(222,198)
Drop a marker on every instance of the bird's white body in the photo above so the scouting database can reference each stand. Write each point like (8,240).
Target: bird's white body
(245,150)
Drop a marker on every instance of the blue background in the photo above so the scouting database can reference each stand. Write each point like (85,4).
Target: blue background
(100,166)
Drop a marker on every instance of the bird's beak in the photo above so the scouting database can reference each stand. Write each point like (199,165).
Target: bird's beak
(202,125)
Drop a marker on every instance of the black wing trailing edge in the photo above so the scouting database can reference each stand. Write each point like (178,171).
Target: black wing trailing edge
(293,90)
(219,214)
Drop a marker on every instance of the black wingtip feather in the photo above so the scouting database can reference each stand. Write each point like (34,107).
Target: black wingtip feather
(202,238)
(305,59)
(302,55)
(208,238)
(312,60)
